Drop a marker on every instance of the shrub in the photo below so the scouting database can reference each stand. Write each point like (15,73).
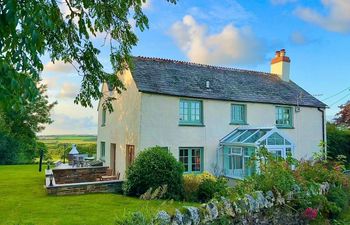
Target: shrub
(153,168)
(192,183)
(340,198)
(209,188)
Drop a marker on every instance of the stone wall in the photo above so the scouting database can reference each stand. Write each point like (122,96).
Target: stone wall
(78,175)
(114,186)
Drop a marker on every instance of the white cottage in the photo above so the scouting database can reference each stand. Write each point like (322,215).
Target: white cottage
(209,116)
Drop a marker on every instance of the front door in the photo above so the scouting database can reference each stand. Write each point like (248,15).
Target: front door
(113,158)
(130,154)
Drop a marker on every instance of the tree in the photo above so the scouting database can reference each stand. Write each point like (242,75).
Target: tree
(19,125)
(343,117)
(29,29)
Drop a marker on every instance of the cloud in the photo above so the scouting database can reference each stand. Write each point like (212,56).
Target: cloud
(51,82)
(281,2)
(59,67)
(298,38)
(337,18)
(68,91)
(230,45)
(65,124)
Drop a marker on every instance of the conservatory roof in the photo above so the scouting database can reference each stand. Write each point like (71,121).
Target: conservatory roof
(255,136)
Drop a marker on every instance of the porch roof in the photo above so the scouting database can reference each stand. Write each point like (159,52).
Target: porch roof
(256,136)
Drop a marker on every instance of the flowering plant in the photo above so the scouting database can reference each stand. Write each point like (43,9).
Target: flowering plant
(310,213)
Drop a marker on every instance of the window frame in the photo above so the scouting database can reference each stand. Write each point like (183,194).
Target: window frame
(103,120)
(189,156)
(102,150)
(190,122)
(242,122)
(244,161)
(291,117)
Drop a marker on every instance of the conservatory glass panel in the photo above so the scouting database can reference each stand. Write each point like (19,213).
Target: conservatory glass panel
(234,135)
(275,139)
(256,136)
(244,136)
(287,142)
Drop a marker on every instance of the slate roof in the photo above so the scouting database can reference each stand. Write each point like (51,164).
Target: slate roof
(178,78)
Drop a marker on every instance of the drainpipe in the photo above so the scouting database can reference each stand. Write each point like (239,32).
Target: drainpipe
(322,110)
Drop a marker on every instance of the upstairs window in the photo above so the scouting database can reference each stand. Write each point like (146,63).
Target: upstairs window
(284,117)
(238,114)
(103,118)
(191,112)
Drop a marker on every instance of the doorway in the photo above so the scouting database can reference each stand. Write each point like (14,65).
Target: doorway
(113,158)
(130,155)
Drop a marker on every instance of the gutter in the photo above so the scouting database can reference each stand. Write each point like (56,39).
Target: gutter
(324,142)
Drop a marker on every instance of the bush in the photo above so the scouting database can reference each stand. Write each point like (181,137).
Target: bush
(209,188)
(203,187)
(192,183)
(340,198)
(153,168)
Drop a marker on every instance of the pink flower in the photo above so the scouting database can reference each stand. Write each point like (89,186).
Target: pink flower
(310,213)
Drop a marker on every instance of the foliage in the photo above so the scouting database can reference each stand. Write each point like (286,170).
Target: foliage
(30,29)
(20,125)
(275,173)
(338,141)
(340,198)
(209,188)
(192,182)
(203,187)
(133,218)
(343,117)
(158,193)
(154,167)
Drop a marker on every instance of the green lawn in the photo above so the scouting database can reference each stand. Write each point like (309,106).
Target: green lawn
(23,200)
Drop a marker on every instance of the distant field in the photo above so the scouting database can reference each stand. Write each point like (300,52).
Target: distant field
(68,138)
(55,144)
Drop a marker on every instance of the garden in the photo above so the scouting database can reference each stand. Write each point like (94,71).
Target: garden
(285,191)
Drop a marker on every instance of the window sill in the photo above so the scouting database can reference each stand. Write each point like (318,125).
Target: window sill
(191,125)
(233,123)
(199,172)
(284,127)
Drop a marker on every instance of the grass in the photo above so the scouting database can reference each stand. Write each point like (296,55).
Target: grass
(23,200)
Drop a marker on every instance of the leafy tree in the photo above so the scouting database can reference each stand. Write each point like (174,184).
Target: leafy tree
(343,117)
(19,125)
(30,29)
(338,141)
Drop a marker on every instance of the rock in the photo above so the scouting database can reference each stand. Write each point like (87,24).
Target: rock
(163,218)
(193,214)
(178,218)
(228,208)
(212,210)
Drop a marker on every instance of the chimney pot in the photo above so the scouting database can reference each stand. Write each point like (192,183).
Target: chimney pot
(283,52)
(277,54)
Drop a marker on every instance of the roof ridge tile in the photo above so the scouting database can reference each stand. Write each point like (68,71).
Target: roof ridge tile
(201,65)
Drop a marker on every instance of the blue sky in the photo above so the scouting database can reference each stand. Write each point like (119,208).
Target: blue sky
(241,34)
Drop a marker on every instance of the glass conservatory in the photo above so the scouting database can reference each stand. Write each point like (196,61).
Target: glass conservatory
(237,147)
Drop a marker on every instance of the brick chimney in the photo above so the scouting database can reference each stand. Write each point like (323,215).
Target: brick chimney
(280,65)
